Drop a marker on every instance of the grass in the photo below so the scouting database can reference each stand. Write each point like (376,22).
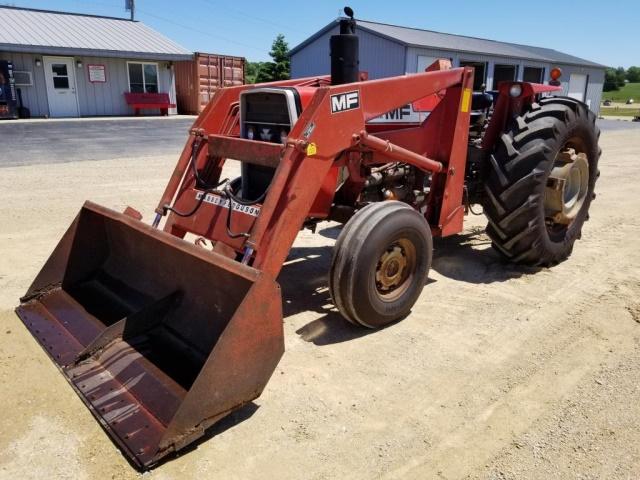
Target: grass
(630,90)
(619,112)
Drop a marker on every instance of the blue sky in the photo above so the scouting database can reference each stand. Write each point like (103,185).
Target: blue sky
(604,32)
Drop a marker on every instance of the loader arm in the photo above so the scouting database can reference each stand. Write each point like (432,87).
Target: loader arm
(218,117)
(317,141)
(291,192)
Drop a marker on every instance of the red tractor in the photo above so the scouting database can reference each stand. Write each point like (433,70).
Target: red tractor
(161,337)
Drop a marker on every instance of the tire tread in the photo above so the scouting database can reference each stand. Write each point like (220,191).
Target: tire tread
(516,178)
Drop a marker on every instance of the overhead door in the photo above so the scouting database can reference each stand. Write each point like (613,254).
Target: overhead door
(577,86)
(480,73)
(504,73)
(533,74)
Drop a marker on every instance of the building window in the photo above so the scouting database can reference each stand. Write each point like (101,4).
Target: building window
(480,74)
(143,77)
(504,73)
(60,76)
(23,78)
(533,74)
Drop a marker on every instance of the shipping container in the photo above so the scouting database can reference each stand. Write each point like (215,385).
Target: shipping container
(198,79)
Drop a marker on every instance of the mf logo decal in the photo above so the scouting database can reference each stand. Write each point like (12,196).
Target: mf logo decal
(403,114)
(341,102)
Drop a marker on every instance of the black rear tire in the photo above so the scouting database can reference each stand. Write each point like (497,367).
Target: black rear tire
(518,174)
(380,264)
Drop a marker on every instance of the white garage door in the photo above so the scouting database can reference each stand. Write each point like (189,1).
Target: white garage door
(577,86)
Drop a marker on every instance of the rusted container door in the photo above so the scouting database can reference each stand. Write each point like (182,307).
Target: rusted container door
(209,77)
(216,72)
(186,99)
(198,80)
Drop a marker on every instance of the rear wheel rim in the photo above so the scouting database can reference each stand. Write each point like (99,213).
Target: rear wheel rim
(567,188)
(395,270)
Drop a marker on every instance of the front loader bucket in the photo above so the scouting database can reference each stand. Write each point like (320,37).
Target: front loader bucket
(160,338)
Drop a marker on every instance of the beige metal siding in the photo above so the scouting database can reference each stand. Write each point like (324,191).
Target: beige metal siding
(595,83)
(459,43)
(97,99)
(94,99)
(35,96)
(378,56)
(595,75)
(388,50)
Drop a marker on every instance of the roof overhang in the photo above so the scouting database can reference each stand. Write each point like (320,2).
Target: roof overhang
(500,55)
(361,26)
(87,52)
(333,24)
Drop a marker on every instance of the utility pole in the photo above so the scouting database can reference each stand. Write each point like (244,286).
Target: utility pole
(131,6)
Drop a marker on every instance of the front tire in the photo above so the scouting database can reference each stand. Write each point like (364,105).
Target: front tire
(380,264)
(540,182)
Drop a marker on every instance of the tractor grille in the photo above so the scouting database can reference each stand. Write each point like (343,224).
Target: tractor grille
(266,115)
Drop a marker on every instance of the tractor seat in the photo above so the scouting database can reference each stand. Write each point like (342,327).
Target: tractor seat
(481,100)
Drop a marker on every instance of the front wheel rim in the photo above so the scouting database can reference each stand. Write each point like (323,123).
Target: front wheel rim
(395,270)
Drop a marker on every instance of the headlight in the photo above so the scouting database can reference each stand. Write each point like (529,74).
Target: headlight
(515,90)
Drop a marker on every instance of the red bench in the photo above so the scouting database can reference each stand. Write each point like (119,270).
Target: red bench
(140,101)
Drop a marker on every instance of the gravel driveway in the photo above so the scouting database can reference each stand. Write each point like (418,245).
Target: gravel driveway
(500,372)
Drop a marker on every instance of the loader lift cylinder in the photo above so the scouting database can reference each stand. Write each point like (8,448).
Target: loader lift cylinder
(345,52)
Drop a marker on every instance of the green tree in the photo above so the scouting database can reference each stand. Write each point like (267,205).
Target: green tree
(621,76)
(614,79)
(633,74)
(278,69)
(610,80)
(252,70)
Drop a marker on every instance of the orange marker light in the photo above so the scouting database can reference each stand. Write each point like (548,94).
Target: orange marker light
(555,74)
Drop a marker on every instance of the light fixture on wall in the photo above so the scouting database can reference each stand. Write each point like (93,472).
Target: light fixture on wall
(79,63)
(38,62)
(169,65)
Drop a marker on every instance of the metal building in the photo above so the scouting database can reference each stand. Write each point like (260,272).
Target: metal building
(389,50)
(70,65)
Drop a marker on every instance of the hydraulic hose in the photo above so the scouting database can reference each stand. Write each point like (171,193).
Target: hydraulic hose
(226,192)
(195,150)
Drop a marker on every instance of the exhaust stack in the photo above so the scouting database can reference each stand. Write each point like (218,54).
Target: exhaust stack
(345,54)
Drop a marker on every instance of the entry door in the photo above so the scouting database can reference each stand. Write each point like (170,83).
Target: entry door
(60,78)
(577,86)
